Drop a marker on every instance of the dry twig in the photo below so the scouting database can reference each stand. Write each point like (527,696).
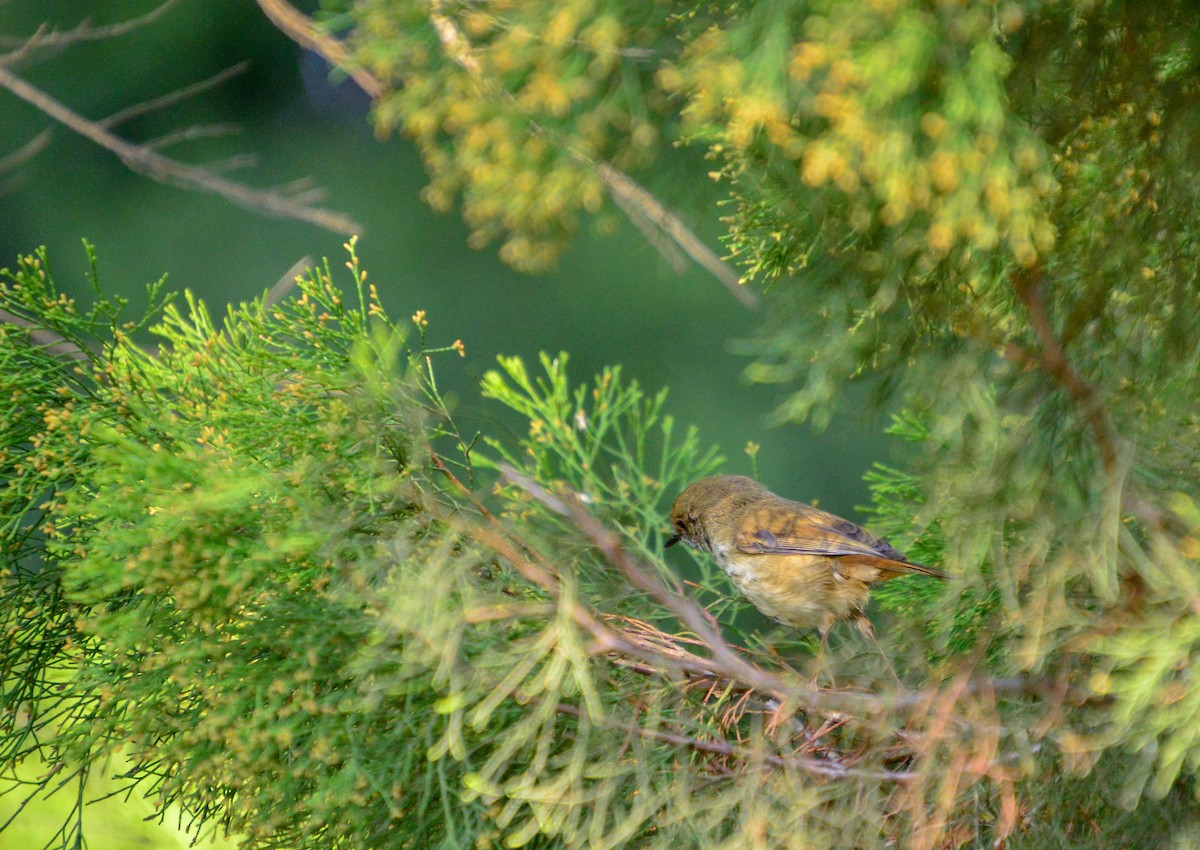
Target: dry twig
(171,98)
(84,32)
(144,160)
(727,749)
(26,152)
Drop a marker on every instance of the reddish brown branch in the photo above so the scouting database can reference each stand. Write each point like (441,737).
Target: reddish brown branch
(1030,288)
(720,747)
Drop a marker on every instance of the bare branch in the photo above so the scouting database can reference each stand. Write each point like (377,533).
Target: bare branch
(242,160)
(24,47)
(651,217)
(26,152)
(285,283)
(84,32)
(145,161)
(187,134)
(174,97)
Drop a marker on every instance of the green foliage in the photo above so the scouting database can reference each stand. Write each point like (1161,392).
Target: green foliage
(1089,812)
(249,579)
(950,623)
(208,557)
(615,447)
(238,555)
(609,442)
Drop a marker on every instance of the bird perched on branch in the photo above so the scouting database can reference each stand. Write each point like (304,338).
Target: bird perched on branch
(799,565)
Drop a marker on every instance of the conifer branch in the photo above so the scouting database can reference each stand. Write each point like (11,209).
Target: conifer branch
(689,613)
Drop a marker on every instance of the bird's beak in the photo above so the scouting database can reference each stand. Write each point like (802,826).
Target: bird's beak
(675,538)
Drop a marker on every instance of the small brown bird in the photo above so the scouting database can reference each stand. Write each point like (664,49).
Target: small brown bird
(799,565)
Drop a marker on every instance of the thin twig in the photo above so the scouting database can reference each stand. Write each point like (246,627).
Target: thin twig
(39,142)
(171,98)
(650,216)
(26,152)
(250,160)
(141,159)
(187,134)
(84,32)
(284,285)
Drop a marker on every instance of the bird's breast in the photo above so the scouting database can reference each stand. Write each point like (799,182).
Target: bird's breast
(804,591)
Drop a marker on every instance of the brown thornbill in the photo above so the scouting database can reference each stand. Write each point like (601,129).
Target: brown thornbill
(799,565)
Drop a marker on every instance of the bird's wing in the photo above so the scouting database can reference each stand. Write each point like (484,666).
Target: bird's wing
(793,528)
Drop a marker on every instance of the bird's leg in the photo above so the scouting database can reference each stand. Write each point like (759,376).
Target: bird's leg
(868,630)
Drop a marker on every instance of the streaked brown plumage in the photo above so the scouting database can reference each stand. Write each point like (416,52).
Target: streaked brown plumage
(799,565)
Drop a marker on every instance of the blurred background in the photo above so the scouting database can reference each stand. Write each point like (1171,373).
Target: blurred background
(612,300)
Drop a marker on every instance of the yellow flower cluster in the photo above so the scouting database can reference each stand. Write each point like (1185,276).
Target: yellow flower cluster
(903,113)
(513,113)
